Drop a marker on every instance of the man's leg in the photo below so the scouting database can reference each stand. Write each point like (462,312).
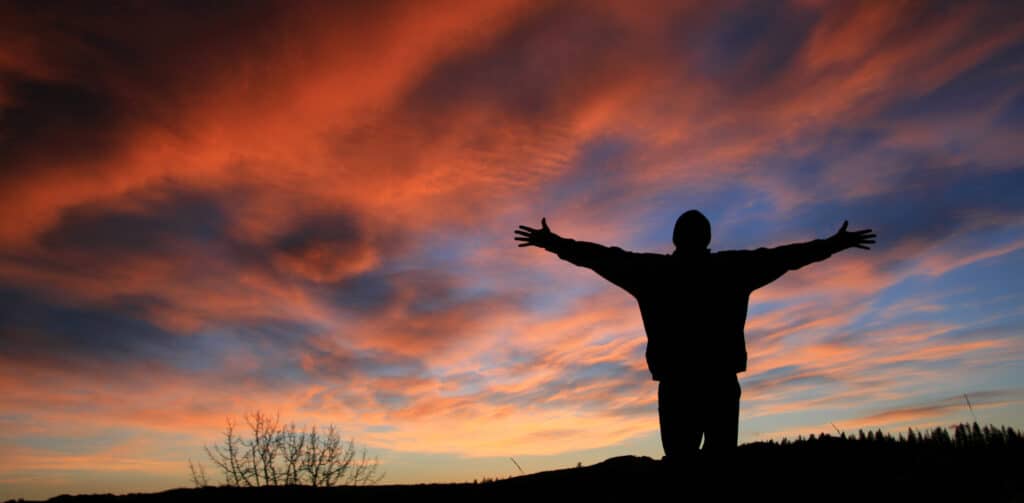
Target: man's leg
(722,417)
(680,436)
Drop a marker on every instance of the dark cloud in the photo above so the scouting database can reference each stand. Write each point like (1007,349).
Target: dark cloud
(343,364)
(1004,329)
(743,50)
(932,204)
(983,86)
(470,378)
(51,123)
(391,401)
(116,337)
(792,324)
(157,222)
(335,228)
(921,207)
(326,248)
(595,382)
(85,78)
(606,186)
(34,329)
(420,309)
(532,70)
(366,293)
(420,292)
(780,378)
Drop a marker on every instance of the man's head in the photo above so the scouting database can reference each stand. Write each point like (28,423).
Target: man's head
(692,232)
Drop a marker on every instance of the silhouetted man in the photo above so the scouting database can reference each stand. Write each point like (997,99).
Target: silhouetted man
(694,305)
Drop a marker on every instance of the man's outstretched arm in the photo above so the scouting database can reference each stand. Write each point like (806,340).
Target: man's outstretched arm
(776,261)
(610,262)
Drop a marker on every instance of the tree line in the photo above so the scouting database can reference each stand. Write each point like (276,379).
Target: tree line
(961,436)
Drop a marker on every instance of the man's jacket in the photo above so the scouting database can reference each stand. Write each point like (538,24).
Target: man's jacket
(693,306)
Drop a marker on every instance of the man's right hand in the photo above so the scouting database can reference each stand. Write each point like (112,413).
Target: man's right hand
(844,239)
(542,237)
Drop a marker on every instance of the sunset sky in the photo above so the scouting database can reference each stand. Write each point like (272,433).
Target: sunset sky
(308,208)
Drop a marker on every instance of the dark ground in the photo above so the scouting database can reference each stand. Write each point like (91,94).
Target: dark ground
(825,469)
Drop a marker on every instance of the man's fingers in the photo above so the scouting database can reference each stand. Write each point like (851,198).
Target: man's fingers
(524,233)
(544,224)
(531,229)
(857,239)
(527,244)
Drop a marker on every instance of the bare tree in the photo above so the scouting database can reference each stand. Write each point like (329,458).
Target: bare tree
(229,457)
(283,454)
(197,473)
(293,449)
(263,447)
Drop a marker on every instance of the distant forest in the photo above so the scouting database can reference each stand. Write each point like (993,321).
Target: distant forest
(963,436)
